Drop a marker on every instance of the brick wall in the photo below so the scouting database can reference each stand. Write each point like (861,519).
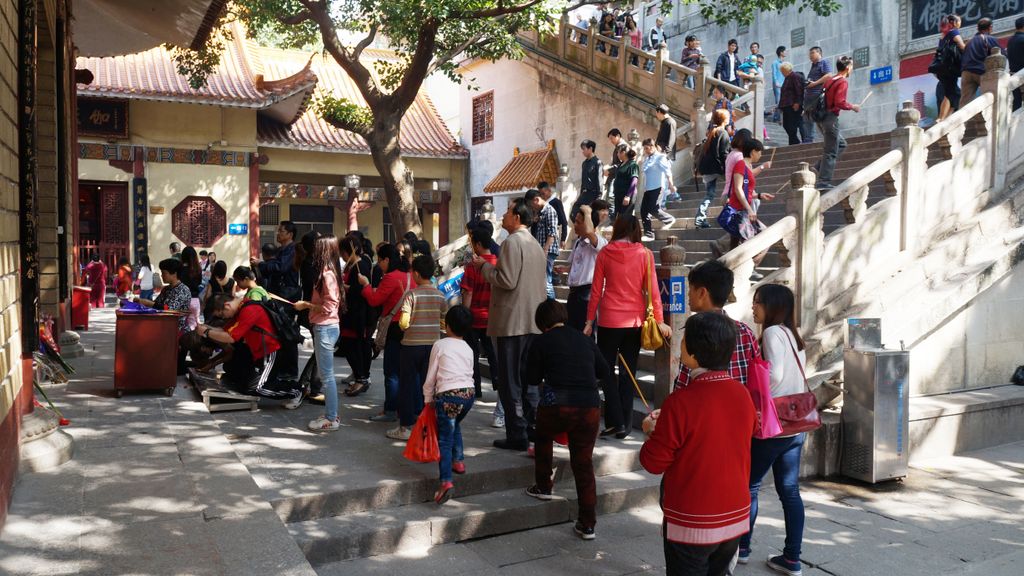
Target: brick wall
(10,338)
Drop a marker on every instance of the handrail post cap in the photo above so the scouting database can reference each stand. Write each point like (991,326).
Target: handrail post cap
(802,177)
(908,116)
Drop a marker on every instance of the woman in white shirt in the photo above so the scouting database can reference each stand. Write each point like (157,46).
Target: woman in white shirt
(145,278)
(774,311)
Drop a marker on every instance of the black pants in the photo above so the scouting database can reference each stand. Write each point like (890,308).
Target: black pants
(792,122)
(1017,98)
(694,560)
(262,377)
(586,198)
(618,391)
(576,305)
(517,400)
(412,373)
(950,91)
(622,209)
(357,352)
(649,206)
(481,343)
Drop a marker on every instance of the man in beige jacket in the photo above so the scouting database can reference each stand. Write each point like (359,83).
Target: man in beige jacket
(517,287)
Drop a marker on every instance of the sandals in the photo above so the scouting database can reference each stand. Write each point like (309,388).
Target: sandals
(356,388)
(444,493)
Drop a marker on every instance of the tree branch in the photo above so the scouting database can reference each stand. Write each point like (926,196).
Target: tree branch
(358,50)
(295,19)
(451,53)
(419,66)
(499,10)
(364,81)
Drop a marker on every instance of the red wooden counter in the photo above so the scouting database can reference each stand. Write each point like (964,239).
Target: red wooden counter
(146,352)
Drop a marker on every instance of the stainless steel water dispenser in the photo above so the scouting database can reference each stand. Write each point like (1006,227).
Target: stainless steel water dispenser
(875,417)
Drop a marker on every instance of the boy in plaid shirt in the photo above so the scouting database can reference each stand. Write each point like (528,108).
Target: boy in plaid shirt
(710,285)
(545,230)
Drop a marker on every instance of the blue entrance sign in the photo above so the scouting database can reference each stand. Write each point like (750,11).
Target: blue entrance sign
(881,75)
(673,294)
(450,287)
(238,229)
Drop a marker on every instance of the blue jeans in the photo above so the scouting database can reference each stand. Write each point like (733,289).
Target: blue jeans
(550,271)
(392,369)
(146,294)
(325,337)
(449,432)
(709,197)
(782,457)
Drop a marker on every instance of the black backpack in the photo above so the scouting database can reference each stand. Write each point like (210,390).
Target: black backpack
(946,62)
(286,331)
(820,109)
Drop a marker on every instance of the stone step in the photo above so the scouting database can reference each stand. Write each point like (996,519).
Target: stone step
(947,424)
(491,472)
(465,517)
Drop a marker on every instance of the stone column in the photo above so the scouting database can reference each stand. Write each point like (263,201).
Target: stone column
(757,107)
(907,137)
(700,115)
(804,202)
(996,81)
(659,71)
(672,274)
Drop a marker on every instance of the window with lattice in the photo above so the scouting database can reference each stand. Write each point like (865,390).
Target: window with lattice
(270,215)
(483,118)
(198,221)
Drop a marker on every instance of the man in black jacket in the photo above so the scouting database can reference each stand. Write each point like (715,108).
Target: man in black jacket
(1015,53)
(728,65)
(590,181)
(281,278)
(791,98)
(666,140)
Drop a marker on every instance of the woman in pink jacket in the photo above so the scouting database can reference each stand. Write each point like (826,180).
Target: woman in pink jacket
(623,272)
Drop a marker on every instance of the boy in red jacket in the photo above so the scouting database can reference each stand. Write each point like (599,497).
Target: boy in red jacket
(702,446)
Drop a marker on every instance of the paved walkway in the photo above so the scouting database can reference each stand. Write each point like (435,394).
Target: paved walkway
(159,486)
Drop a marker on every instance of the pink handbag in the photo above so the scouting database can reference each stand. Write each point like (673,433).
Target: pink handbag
(759,385)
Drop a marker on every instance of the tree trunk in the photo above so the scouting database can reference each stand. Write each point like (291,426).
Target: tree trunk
(387,157)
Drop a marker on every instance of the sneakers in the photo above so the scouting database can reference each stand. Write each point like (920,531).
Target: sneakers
(322,424)
(459,467)
(783,566)
(668,224)
(498,422)
(585,533)
(756,277)
(539,494)
(744,556)
(384,417)
(444,493)
(703,224)
(647,237)
(317,398)
(296,402)
(399,433)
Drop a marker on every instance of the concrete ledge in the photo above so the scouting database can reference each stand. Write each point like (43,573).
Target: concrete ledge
(418,526)
(964,421)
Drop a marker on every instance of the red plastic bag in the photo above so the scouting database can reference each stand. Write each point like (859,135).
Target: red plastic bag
(562,438)
(759,385)
(422,443)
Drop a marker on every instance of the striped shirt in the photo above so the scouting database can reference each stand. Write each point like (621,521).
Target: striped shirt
(422,316)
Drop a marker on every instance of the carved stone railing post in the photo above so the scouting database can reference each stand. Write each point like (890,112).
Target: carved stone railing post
(908,137)
(659,72)
(757,107)
(699,120)
(996,81)
(591,45)
(804,202)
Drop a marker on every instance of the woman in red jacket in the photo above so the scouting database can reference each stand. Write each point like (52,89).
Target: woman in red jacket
(397,280)
(623,272)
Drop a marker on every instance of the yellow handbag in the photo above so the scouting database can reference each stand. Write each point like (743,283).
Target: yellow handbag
(650,332)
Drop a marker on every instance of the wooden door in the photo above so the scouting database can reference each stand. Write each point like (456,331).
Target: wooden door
(103,223)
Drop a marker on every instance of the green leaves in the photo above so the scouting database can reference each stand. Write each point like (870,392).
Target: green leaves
(745,11)
(344,114)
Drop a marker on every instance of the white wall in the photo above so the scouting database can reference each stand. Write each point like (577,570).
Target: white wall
(533,106)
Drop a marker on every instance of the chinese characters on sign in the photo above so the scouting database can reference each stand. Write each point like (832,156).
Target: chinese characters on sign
(926,14)
(139,217)
(673,294)
(881,75)
(99,117)
(238,229)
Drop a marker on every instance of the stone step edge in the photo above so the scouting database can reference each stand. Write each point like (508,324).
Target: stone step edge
(419,526)
(609,460)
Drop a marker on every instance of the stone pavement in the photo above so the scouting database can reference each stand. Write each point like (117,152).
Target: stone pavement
(159,486)
(959,515)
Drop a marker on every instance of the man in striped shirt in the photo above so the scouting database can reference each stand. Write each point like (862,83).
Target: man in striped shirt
(422,320)
(545,230)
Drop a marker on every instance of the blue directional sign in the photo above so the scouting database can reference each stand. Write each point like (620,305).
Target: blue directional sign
(673,294)
(238,229)
(881,75)
(450,287)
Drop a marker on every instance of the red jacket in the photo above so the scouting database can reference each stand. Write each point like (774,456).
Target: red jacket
(835,95)
(389,292)
(617,298)
(702,445)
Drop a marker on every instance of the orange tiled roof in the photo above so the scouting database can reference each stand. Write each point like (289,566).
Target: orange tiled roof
(152,75)
(424,133)
(525,171)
